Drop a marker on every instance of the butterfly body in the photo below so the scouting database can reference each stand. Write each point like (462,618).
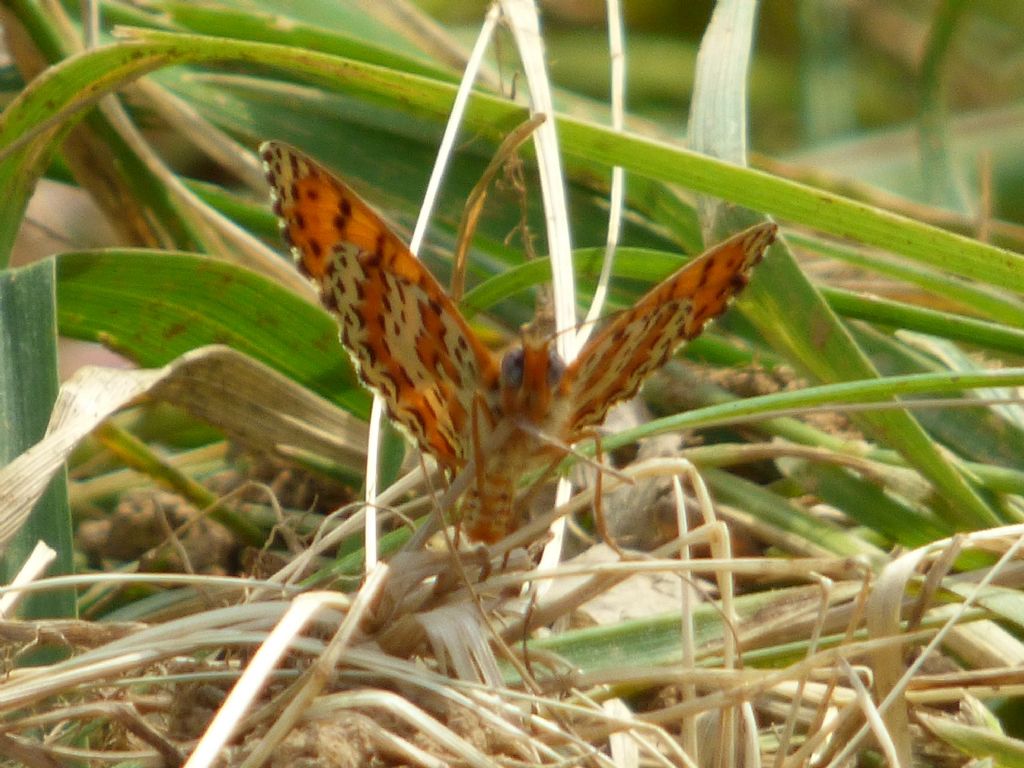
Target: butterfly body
(457,399)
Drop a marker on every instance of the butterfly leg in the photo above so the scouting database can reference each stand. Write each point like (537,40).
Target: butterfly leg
(475,504)
(600,522)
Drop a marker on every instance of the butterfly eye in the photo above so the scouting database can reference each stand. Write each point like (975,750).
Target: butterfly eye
(556,368)
(512,369)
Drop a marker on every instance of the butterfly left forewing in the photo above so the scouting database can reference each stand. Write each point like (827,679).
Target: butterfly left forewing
(613,365)
(405,335)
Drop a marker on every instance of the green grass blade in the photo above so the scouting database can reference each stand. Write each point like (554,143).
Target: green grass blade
(28,388)
(943,185)
(91,75)
(254,26)
(154,306)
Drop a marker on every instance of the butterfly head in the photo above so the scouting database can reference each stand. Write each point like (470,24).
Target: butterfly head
(531,373)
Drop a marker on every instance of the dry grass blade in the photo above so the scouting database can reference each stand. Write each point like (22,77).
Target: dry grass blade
(40,559)
(172,654)
(217,384)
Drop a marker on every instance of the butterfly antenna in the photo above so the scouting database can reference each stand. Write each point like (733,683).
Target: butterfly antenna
(478,196)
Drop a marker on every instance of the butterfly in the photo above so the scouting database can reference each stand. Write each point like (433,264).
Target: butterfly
(511,414)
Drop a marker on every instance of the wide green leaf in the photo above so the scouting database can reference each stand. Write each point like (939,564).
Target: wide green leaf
(153,306)
(28,388)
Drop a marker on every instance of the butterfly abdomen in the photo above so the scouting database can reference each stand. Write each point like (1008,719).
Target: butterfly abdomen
(487,514)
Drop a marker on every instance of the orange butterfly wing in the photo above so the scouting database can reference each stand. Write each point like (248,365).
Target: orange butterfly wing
(405,335)
(613,365)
